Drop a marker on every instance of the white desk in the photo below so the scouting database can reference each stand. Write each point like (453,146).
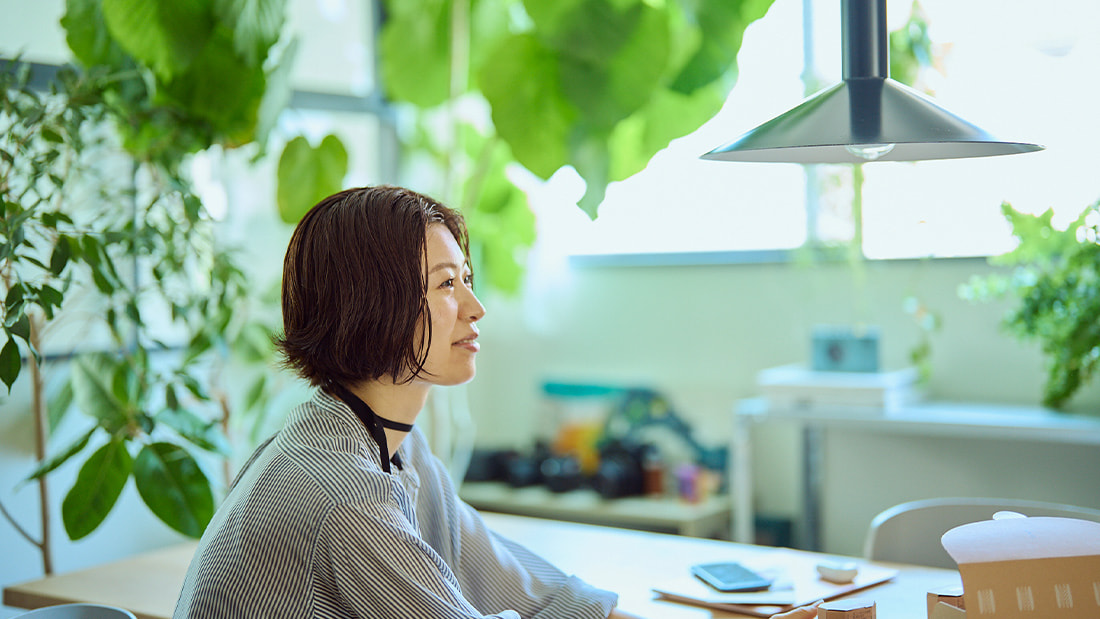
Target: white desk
(954,419)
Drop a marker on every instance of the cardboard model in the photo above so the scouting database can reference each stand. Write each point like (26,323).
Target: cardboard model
(1017,567)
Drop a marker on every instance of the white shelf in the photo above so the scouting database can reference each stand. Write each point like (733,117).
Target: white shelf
(706,518)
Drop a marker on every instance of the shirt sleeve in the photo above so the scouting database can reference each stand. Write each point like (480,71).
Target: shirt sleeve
(382,568)
(496,572)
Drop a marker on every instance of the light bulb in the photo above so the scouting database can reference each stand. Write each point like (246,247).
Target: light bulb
(869,152)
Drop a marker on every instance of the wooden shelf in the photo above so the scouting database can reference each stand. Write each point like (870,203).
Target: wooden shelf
(708,518)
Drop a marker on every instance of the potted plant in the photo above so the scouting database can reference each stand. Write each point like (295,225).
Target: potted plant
(1054,275)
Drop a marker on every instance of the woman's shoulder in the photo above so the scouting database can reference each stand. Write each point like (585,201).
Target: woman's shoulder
(327,444)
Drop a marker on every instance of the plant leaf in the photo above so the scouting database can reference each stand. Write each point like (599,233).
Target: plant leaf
(166,36)
(219,88)
(723,24)
(49,464)
(59,405)
(530,112)
(87,35)
(10,363)
(307,174)
(256,25)
(174,487)
(97,488)
(92,382)
(205,434)
(414,50)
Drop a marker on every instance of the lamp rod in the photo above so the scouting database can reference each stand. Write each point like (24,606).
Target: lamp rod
(864,39)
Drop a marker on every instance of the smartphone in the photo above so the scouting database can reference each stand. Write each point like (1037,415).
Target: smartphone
(729,576)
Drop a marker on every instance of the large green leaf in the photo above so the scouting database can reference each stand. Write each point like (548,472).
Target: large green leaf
(612,84)
(490,23)
(166,35)
(220,88)
(592,160)
(414,50)
(521,83)
(590,31)
(174,487)
(87,35)
(256,25)
(93,379)
(97,488)
(668,115)
(307,174)
(723,24)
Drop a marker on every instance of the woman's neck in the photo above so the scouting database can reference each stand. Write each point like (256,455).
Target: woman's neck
(396,402)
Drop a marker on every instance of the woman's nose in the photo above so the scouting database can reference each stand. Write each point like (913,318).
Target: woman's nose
(473,309)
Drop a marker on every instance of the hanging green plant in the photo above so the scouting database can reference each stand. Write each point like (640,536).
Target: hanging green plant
(599,85)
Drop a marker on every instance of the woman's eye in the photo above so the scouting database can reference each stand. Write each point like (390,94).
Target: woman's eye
(469,279)
(448,283)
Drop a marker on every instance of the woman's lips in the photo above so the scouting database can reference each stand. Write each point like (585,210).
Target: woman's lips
(469,343)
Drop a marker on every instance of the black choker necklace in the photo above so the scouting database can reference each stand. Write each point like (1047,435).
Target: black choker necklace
(372,422)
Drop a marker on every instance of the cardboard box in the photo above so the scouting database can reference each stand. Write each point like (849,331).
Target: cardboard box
(856,608)
(950,596)
(1017,567)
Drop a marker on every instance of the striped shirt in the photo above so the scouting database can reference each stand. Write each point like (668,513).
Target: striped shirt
(314,528)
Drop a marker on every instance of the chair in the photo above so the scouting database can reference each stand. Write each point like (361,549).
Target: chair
(78,611)
(910,532)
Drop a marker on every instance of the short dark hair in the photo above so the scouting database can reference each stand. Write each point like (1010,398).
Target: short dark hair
(354,285)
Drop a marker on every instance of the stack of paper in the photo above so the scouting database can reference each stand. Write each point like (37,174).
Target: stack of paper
(797,583)
(794,387)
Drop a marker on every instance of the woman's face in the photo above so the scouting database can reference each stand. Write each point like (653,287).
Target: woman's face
(454,310)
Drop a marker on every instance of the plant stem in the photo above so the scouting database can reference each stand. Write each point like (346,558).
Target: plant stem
(460,69)
(855,248)
(41,432)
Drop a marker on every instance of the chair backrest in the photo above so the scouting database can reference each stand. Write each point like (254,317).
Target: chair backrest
(78,611)
(910,532)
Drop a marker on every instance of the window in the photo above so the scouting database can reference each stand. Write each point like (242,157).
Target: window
(1017,70)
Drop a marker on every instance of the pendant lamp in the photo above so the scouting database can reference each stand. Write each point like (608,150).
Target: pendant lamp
(867,116)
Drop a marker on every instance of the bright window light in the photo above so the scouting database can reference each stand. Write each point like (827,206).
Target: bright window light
(1020,70)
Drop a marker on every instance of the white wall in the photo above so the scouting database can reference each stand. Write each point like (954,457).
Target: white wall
(702,333)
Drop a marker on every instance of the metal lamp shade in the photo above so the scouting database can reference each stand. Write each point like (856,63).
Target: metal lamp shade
(866,117)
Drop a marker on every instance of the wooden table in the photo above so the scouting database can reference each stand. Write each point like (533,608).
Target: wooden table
(625,561)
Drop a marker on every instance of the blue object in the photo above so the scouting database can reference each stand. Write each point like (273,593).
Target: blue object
(845,349)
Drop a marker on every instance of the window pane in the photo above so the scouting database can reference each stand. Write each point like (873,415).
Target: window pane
(1021,71)
(681,203)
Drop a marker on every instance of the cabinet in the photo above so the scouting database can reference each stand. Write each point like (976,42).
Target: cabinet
(707,518)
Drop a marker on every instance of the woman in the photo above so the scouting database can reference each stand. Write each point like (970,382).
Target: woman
(345,512)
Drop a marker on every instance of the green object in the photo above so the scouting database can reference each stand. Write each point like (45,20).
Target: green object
(174,487)
(1055,279)
(97,488)
(599,85)
(307,174)
(93,190)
